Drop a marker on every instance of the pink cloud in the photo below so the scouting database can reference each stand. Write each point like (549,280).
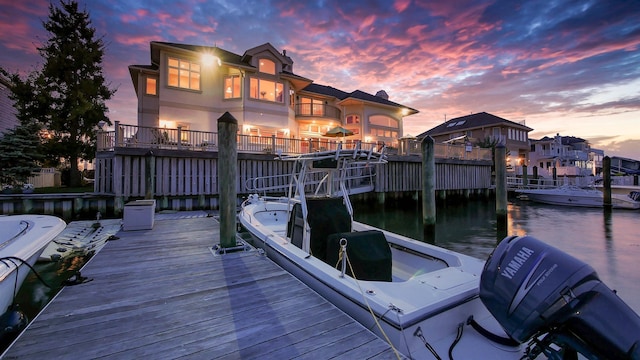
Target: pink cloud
(401,5)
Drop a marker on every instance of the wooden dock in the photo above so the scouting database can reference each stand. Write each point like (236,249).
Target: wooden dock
(162,294)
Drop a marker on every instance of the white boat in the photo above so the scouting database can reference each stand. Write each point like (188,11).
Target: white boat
(425,301)
(22,239)
(576,196)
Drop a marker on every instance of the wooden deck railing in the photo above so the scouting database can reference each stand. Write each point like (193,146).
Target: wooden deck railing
(179,139)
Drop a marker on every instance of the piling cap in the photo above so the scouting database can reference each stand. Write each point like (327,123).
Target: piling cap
(227,118)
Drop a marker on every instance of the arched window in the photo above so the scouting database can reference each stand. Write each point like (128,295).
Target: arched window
(266,66)
(383,120)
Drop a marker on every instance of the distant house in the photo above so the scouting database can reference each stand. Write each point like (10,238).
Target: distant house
(569,155)
(191,86)
(8,119)
(485,128)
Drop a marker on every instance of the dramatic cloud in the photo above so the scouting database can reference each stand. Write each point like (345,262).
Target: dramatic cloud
(566,67)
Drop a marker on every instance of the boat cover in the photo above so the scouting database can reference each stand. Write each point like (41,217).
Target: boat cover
(368,252)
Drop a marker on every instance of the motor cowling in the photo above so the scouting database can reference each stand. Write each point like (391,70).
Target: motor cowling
(532,288)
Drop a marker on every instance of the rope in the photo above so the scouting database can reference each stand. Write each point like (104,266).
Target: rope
(395,351)
(455,342)
(2,259)
(15,285)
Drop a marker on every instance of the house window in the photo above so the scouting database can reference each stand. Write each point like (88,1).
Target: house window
(309,106)
(266,90)
(152,87)
(232,87)
(184,74)
(353,119)
(267,66)
(383,120)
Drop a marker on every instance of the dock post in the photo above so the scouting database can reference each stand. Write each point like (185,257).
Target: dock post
(149,174)
(428,189)
(227,172)
(525,176)
(501,191)
(606,182)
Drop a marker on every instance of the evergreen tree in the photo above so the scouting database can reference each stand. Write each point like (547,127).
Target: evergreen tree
(19,154)
(74,89)
(20,147)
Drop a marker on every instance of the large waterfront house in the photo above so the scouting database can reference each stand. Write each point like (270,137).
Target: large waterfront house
(485,128)
(569,155)
(190,87)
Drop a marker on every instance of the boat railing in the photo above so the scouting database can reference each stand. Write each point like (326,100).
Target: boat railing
(517,182)
(357,178)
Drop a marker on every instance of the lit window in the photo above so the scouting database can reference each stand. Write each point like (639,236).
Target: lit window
(184,74)
(152,86)
(267,66)
(266,90)
(382,120)
(309,106)
(353,119)
(232,87)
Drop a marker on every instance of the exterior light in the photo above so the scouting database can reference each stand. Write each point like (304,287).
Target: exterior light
(210,59)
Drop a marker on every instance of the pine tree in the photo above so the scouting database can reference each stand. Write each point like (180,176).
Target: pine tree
(20,147)
(74,89)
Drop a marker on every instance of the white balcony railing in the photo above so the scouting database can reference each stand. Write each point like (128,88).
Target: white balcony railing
(133,136)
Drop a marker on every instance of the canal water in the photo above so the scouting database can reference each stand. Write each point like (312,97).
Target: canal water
(609,242)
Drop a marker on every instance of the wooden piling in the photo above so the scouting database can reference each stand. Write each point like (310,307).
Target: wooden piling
(501,191)
(606,182)
(428,189)
(227,172)
(149,175)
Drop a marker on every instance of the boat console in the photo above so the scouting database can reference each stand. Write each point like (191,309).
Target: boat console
(543,295)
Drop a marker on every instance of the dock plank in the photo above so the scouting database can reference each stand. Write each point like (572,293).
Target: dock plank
(162,294)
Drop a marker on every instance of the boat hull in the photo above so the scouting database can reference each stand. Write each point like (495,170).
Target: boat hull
(23,240)
(578,197)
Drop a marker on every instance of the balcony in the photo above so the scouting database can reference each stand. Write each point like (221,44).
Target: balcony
(132,136)
(318,111)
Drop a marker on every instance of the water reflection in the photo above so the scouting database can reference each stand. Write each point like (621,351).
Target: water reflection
(609,242)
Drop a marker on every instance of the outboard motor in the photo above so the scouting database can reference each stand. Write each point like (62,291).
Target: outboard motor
(538,292)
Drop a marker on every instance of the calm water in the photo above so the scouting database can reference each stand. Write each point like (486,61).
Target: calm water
(609,243)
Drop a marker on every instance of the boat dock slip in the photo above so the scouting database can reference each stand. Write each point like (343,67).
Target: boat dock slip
(163,294)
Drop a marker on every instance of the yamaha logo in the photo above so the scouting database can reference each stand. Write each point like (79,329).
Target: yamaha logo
(516,263)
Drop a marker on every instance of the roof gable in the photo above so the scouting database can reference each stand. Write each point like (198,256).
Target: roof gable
(225,56)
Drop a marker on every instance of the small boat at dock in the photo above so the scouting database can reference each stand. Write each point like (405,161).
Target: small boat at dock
(22,240)
(427,301)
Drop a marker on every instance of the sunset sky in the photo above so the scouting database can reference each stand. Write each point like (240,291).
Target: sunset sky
(568,67)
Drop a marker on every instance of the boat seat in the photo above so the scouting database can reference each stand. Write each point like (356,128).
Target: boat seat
(368,251)
(326,216)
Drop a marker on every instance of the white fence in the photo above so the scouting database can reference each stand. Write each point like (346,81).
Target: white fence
(47,177)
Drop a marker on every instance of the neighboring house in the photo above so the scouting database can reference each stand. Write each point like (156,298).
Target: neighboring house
(570,156)
(190,87)
(485,128)
(8,118)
